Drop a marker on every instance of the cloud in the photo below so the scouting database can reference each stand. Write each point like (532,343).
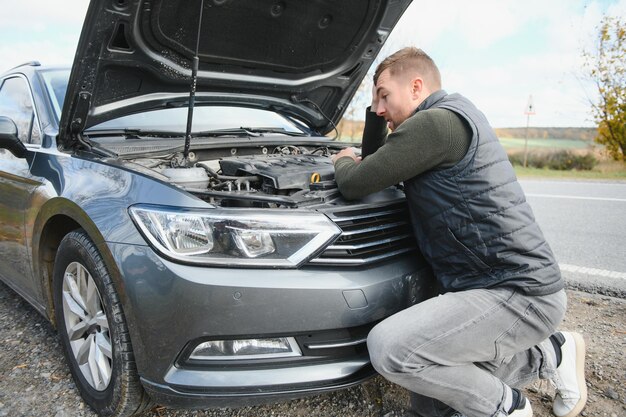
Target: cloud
(47,52)
(496,52)
(499,52)
(501,89)
(39,14)
(477,24)
(45,31)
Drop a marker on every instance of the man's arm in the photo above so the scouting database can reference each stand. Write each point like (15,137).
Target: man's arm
(421,143)
(374,133)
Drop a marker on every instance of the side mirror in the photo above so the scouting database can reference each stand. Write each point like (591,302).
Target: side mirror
(9,139)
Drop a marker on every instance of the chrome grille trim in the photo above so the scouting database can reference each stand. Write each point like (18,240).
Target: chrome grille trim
(336,345)
(369,235)
(373,229)
(369,244)
(359,261)
(369,215)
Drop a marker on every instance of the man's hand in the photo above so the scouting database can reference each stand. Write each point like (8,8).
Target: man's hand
(346,152)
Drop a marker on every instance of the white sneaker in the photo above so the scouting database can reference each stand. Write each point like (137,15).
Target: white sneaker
(569,381)
(525,411)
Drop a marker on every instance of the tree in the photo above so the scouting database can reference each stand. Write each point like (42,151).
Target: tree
(605,66)
(356,109)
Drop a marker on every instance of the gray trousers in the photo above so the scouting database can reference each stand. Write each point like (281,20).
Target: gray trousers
(460,351)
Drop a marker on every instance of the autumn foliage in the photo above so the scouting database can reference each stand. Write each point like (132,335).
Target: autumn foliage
(606,67)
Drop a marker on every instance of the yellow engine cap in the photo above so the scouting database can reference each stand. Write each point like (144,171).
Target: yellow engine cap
(316,177)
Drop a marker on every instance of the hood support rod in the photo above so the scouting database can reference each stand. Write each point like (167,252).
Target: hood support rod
(192,91)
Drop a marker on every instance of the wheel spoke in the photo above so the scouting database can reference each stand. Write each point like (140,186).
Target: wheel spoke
(93,365)
(104,367)
(101,320)
(73,307)
(99,367)
(80,279)
(78,331)
(73,282)
(82,356)
(92,300)
(104,345)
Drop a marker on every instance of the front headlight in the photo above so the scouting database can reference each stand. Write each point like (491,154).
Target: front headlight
(235,237)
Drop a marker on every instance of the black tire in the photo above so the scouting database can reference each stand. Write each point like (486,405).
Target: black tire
(116,391)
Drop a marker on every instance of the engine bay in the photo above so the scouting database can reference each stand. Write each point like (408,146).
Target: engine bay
(267,177)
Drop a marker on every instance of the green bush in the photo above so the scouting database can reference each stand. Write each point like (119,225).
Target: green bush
(559,160)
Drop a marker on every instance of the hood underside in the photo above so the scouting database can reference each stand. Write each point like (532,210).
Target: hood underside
(303,58)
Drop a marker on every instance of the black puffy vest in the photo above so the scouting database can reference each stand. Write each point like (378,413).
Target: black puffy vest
(472,221)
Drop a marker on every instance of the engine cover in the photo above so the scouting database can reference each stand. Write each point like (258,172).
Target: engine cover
(282,172)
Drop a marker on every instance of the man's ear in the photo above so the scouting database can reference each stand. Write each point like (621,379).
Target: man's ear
(417,85)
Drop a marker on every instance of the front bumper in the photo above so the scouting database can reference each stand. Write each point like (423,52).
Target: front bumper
(170,308)
(211,396)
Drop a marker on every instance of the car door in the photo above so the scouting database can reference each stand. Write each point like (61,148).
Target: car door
(16,185)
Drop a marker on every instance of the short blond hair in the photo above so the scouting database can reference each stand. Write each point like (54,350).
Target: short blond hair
(411,58)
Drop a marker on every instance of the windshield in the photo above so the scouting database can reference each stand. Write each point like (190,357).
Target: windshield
(205,118)
(56,84)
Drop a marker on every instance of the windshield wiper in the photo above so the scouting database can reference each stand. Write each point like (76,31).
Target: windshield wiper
(280,130)
(246,131)
(238,131)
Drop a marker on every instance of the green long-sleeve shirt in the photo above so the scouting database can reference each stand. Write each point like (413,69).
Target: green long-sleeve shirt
(429,139)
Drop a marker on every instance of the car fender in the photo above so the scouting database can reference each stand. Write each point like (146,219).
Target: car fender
(95,196)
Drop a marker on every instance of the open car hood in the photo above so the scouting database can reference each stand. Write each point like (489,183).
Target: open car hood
(302,58)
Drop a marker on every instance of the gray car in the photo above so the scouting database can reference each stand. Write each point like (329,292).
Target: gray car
(169,202)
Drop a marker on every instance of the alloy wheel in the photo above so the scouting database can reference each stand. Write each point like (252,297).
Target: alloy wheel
(87,326)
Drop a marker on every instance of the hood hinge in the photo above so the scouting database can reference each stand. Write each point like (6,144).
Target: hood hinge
(78,119)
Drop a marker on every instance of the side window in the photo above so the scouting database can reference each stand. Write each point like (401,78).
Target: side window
(16,103)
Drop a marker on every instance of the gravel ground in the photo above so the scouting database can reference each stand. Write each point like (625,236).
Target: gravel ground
(34,380)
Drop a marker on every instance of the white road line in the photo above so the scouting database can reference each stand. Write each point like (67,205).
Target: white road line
(618,183)
(576,197)
(592,271)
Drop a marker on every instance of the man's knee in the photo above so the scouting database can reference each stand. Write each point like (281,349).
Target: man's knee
(379,349)
(389,353)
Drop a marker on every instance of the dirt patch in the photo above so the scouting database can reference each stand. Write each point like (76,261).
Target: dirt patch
(602,322)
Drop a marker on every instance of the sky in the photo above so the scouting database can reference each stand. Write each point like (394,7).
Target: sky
(497,53)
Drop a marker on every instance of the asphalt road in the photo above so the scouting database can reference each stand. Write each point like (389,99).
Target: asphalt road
(585,224)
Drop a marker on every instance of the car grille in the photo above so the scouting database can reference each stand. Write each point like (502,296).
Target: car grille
(369,236)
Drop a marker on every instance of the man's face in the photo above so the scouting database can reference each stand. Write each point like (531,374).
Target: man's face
(396,98)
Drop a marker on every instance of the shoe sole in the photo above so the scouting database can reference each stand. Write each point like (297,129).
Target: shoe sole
(580,374)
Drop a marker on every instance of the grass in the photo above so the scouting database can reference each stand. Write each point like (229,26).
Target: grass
(605,170)
(549,143)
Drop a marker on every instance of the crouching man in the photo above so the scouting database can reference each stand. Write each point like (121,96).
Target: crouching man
(493,328)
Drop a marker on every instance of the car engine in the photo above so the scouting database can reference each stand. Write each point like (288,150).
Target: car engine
(289,176)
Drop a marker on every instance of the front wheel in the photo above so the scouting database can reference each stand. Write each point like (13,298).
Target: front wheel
(93,330)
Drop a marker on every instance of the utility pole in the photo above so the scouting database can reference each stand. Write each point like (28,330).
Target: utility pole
(530,110)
